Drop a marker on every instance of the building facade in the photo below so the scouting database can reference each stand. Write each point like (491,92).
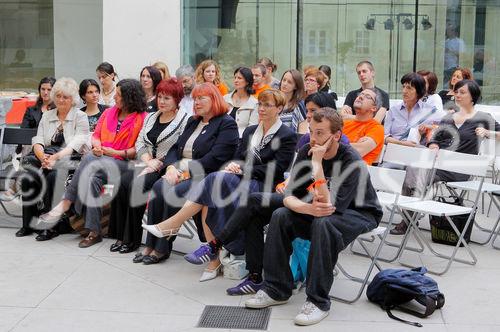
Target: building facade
(70,37)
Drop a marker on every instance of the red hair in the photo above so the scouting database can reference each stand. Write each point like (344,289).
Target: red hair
(219,106)
(171,87)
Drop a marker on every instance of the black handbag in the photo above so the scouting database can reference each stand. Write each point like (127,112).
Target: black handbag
(441,230)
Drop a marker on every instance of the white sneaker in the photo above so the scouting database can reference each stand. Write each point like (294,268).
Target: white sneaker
(310,314)
(262,300)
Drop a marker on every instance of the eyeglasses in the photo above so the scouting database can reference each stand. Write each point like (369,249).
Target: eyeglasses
(367,96)
(265,105)
(201,98)
(310,80)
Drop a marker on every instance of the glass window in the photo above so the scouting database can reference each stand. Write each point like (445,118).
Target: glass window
(394,35)
(26,43)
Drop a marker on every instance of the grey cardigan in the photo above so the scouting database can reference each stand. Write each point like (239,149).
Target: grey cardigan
(76,129)
(167,138)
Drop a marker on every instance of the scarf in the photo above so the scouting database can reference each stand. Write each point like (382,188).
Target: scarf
(259,141)
(125,138)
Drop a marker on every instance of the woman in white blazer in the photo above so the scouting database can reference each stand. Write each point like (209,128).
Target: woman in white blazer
(242,105)
(62,132)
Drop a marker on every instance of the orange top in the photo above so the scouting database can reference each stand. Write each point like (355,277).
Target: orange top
(355,130)
(223,88)
(258,91)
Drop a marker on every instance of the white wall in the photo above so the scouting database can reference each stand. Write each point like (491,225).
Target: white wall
(77,38)
(138,33)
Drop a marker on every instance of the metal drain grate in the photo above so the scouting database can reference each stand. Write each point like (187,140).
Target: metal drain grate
(229,317)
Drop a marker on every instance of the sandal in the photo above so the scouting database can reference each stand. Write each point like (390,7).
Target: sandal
(156,231)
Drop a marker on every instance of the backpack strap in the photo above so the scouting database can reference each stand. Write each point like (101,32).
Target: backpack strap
(389,313)
(388,306)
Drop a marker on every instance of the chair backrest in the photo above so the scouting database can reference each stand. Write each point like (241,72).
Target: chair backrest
(409,156)
(463,163)
(16,136)
(489,146)
(387,179)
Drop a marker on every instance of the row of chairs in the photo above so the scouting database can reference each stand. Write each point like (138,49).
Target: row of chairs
(389,184)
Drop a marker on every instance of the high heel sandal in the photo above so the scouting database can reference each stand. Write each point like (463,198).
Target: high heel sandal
(156,231)
(47,220)
(209,274)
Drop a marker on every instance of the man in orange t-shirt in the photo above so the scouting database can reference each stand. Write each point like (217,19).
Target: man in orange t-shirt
(364,132)
(259,80)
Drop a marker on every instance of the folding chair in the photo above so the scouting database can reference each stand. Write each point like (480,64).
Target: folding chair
(403,156)
(385,180)
(473,165)
(14,136)
(490,189)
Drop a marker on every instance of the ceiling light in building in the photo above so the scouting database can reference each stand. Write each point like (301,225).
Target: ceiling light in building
(370,24)
(408,24)
(426,24)
(389,24)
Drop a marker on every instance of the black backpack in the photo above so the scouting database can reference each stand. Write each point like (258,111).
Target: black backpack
(391,288)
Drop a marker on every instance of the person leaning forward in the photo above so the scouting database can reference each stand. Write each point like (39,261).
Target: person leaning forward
(327,202)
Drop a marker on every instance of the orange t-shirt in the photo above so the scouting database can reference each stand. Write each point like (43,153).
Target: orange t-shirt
(354,130)
(223,89)
(258,91)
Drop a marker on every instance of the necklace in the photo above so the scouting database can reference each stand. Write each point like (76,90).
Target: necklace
(108,93)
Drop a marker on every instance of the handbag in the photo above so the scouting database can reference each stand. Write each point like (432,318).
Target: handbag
(441,230)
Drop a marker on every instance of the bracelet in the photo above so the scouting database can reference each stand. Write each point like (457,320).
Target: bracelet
(316,184)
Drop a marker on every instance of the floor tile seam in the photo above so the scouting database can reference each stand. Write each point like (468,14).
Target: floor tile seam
(63,281)
(116,312)
(174,291)
(16,306)
(23,318)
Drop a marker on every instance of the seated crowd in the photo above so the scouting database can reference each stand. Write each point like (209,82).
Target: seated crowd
(176,148)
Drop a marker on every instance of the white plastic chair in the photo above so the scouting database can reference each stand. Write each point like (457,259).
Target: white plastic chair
(388,181)
(404,156)
(468,164)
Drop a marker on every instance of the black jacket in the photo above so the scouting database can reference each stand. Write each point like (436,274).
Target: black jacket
(280,150)
(215,146)
(32,117)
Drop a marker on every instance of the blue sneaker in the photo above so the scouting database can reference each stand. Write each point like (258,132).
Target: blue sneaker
(247,286)
(201,255)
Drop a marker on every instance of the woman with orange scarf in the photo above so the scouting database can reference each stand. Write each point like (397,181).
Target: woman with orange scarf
(113,144)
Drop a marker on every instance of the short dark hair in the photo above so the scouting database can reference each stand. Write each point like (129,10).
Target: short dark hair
(133,96)
(48,79)
(171,87)
(84,85)
(155,75)
(378,98)
(332,116)
(365,62)
(473,87)
(432,80)
(260,67)
(248,76)
(416,81)
(322,99)
(326,69)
